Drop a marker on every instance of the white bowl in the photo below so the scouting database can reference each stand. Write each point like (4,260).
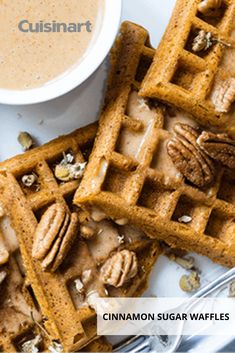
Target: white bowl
(80,72)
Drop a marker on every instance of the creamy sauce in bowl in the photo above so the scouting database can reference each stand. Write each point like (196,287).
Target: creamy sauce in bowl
(43,39)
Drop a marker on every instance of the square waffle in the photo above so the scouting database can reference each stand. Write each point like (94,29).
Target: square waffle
(67,316)
(191,78)
(130,174)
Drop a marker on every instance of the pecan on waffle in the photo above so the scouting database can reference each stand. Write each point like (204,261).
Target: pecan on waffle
(21,319)
(149,165)
(37,189)
(193,67)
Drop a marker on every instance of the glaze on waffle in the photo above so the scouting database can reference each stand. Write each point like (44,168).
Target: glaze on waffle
(17,306)
(67,316)
(187,79)
(19,309)
(130,174)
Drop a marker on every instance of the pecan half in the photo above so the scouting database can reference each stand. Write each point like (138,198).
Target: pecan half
(210,8)
(219,147)
(224,96)
(54,236)
(189,159)
(121,267)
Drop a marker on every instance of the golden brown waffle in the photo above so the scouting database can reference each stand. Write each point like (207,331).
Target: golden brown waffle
(19,311)
(99,345)
(130,174)
(40,163)
(188,79)
(67,317)
(17,304)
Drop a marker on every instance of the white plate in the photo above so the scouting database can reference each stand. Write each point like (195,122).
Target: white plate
(80,107)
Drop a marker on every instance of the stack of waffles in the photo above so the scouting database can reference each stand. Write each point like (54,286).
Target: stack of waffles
(82,216)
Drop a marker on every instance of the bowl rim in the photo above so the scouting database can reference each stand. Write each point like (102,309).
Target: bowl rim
(81,72)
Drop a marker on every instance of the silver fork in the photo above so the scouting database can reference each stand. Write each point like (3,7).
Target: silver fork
(165,343)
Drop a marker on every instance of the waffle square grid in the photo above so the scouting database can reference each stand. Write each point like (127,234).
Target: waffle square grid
(187,79)
(66,321)
(129,174)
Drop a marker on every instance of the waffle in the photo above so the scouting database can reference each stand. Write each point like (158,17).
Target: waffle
(17,306)
(190,79)
(130,174)
(99,345)
(67,317)
(19,312)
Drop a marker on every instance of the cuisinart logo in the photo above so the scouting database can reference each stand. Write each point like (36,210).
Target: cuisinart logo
(54,27)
